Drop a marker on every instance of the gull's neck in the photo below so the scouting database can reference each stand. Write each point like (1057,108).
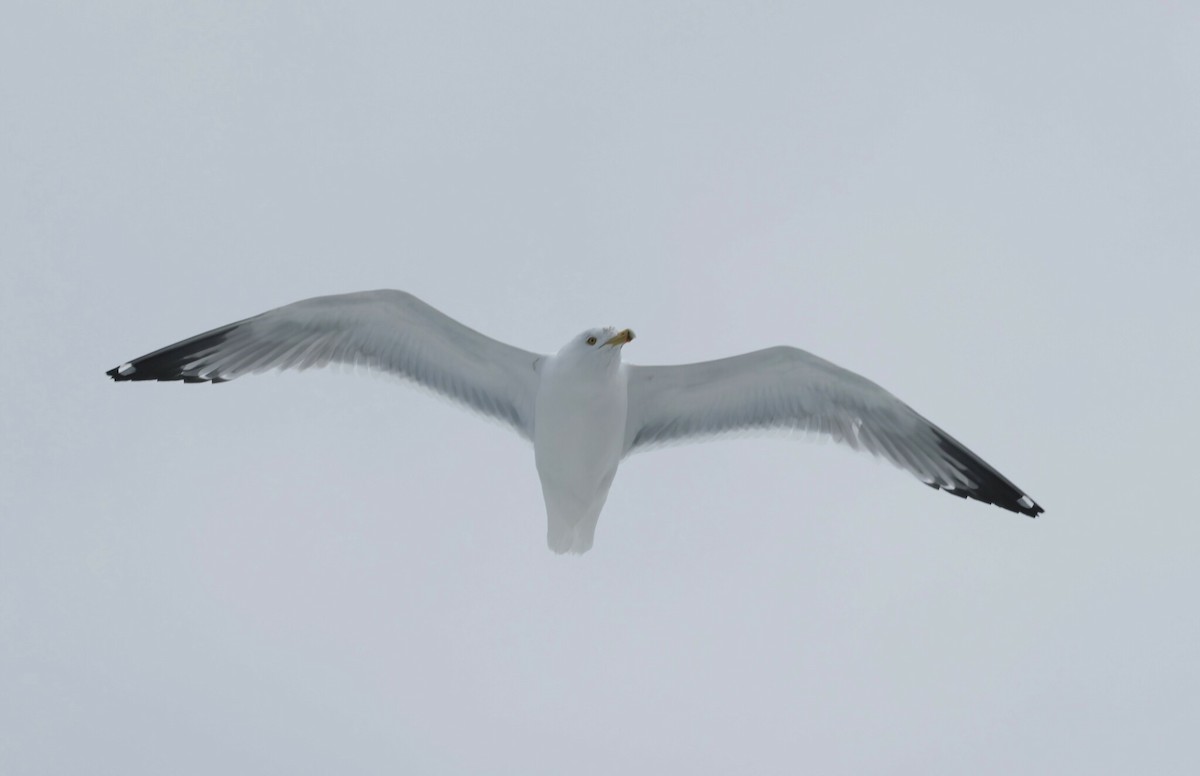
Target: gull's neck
(596,365)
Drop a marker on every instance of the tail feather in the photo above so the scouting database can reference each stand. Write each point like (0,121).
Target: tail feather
(571,532)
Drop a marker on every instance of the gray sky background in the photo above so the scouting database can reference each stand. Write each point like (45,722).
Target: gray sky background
(990,209)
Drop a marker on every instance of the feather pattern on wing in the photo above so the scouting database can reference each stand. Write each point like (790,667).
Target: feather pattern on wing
(789,389)
(391,331)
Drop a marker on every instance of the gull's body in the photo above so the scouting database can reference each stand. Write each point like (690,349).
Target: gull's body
(583,408)
(583,395)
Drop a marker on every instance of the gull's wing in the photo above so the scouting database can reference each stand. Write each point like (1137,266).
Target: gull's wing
(789,389)
(388,330)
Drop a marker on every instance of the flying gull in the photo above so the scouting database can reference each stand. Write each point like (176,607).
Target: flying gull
(583,409)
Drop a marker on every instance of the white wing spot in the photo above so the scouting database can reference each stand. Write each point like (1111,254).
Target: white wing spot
(1026,501)
(126,368)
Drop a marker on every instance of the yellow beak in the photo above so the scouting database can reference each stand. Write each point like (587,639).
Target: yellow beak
(621,338)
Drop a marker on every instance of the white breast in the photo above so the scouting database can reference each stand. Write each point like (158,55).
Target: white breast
(579,432)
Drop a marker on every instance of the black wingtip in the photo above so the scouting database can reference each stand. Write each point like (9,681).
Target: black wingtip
(171,362)
(990,486)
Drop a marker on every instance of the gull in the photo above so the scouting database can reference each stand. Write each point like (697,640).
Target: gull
(584,409)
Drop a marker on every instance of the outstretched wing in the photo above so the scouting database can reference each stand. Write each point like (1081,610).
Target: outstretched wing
(789,389)
(388,330)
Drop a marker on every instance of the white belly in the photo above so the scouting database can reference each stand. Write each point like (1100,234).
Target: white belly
(578,438)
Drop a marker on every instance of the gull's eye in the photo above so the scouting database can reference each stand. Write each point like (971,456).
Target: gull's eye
(591,340)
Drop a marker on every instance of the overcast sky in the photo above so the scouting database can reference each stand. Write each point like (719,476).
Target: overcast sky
(989,209)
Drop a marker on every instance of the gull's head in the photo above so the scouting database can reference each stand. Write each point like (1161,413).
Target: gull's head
(596,346)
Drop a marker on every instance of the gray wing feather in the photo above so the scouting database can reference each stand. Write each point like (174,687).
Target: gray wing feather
(788,389)
(391,331)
